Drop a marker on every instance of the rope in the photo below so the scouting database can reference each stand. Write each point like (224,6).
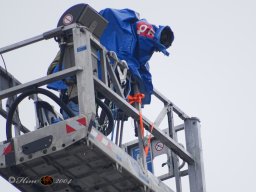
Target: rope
(146,149)
(137,98)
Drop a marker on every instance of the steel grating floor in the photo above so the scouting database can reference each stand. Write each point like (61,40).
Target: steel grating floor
(86,168)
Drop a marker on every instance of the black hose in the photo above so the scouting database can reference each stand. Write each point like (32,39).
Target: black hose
(25,94)
(105,112)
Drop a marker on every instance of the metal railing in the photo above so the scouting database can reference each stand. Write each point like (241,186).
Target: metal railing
(85,49)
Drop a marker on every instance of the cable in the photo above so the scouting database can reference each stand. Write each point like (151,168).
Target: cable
(106,112)
(6,72)
(25,94)
(4,63)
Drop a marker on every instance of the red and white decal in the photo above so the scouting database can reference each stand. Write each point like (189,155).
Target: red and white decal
(73,126)
(7,149)
(145,29)
(82,121)
(100,137)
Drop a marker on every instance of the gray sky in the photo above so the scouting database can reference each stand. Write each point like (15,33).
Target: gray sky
(210,73)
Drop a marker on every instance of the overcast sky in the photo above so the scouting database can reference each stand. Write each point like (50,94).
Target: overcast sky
(210,73)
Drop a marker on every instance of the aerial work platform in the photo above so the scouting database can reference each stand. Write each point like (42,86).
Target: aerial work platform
(75,155)
(78,159)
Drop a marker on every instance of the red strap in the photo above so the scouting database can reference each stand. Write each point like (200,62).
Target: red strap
(137,98)
(146,149)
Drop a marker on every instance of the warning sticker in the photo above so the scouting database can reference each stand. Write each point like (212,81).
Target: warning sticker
(159,146)
(67,19)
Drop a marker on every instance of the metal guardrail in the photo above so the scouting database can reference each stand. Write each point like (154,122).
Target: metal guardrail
(86,80)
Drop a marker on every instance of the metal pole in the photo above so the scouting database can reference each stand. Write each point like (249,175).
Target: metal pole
(103,65)
(121,133)
(21,44)
(47,35)
(174,157)
(117,131)
(194,147)
(83,59)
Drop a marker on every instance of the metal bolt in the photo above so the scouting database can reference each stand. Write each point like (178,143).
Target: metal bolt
(44,151)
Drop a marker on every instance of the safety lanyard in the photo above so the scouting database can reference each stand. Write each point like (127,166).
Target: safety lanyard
(137,98)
